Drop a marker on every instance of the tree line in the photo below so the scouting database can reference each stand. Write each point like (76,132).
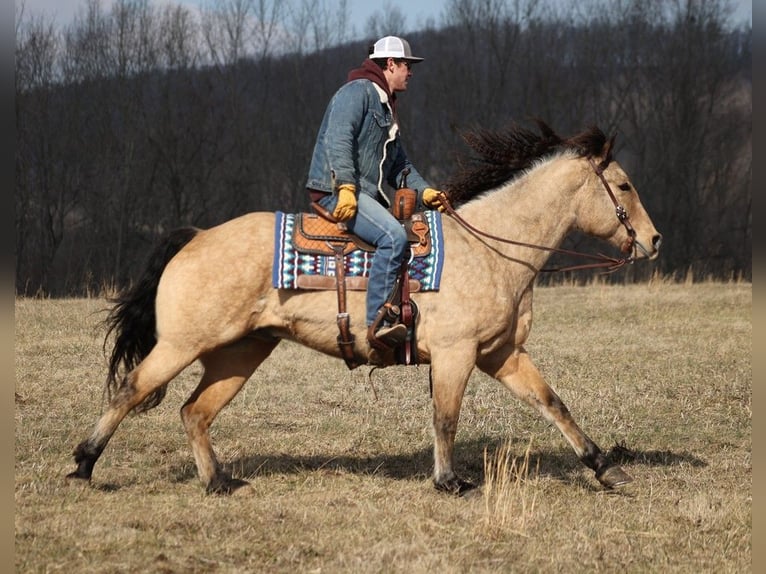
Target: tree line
(136,120)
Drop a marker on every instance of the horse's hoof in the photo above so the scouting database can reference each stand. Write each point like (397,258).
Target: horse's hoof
(225,485)
(75,479)
(456,487)
(613,477)
(79,475)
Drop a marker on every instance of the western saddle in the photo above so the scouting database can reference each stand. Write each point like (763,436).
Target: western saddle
(319,233)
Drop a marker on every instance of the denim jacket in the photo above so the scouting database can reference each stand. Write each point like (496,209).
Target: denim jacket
(359,143)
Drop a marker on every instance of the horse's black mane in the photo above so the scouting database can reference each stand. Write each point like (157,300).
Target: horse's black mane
(499,156)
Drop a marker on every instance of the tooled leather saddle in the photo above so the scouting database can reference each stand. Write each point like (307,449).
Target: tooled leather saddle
(319,233)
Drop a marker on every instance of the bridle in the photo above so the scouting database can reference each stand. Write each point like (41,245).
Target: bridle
(620,211)
(610,263)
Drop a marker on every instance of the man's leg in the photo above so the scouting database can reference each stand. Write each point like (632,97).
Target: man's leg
(375,224)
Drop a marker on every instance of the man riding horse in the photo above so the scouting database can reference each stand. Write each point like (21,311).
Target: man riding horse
(358,149)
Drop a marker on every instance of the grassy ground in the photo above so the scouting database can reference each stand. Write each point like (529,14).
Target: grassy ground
(340,482)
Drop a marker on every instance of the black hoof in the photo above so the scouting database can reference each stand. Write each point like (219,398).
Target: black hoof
(79,476)
(225,485)
(455,486)
(85,456)
(613,477)
(84,468)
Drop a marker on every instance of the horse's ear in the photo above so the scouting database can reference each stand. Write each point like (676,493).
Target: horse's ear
(606,153)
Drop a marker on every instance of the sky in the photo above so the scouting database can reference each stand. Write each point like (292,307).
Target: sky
(415,11)
(360,10)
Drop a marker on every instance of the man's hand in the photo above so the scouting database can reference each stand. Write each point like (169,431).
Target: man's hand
(431,199)
(346,206)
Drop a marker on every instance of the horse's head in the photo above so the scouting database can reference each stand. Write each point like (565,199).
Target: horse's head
(609,206)
(606,204)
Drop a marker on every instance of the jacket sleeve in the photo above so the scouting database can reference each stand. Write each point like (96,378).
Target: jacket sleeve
(346,115)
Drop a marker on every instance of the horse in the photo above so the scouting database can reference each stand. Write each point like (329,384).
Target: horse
(207,295)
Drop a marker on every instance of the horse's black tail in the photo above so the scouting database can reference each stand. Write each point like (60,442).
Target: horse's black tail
(132,319)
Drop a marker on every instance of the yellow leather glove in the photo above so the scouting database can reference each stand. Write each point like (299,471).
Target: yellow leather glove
(346,206)
(431,199)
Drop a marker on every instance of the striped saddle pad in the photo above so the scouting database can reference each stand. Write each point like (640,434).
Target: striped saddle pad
(303,260)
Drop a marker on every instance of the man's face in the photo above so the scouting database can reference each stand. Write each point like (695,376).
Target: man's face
(400,72)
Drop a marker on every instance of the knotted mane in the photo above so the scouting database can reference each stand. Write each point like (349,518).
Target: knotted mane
(498,156)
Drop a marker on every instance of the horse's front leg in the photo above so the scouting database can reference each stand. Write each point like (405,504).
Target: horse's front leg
(514,368)
(450,370)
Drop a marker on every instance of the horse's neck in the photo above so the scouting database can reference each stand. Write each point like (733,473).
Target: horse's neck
(535,209)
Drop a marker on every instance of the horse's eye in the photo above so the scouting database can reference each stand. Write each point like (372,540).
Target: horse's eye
(624,186)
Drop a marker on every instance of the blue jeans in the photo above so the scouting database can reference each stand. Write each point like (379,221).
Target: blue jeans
(375,224)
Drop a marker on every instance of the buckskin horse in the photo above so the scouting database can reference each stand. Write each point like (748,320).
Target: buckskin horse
(207,295)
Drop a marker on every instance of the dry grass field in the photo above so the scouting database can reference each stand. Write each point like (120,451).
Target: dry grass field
(340,481)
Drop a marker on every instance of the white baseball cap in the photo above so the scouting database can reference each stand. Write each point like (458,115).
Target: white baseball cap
(393,47)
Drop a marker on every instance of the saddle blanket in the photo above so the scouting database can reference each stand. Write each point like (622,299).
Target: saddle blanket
(289,264)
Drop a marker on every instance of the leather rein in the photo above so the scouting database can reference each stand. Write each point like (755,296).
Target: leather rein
(612,264)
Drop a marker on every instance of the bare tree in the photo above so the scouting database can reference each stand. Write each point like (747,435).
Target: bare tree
(43,200)
(387,21)
(315,25)
(178,39)
(237,29)
(88,45)
(135,37)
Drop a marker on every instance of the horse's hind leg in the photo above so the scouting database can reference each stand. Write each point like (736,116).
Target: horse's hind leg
(226,371)
(516,371)
(158,368)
